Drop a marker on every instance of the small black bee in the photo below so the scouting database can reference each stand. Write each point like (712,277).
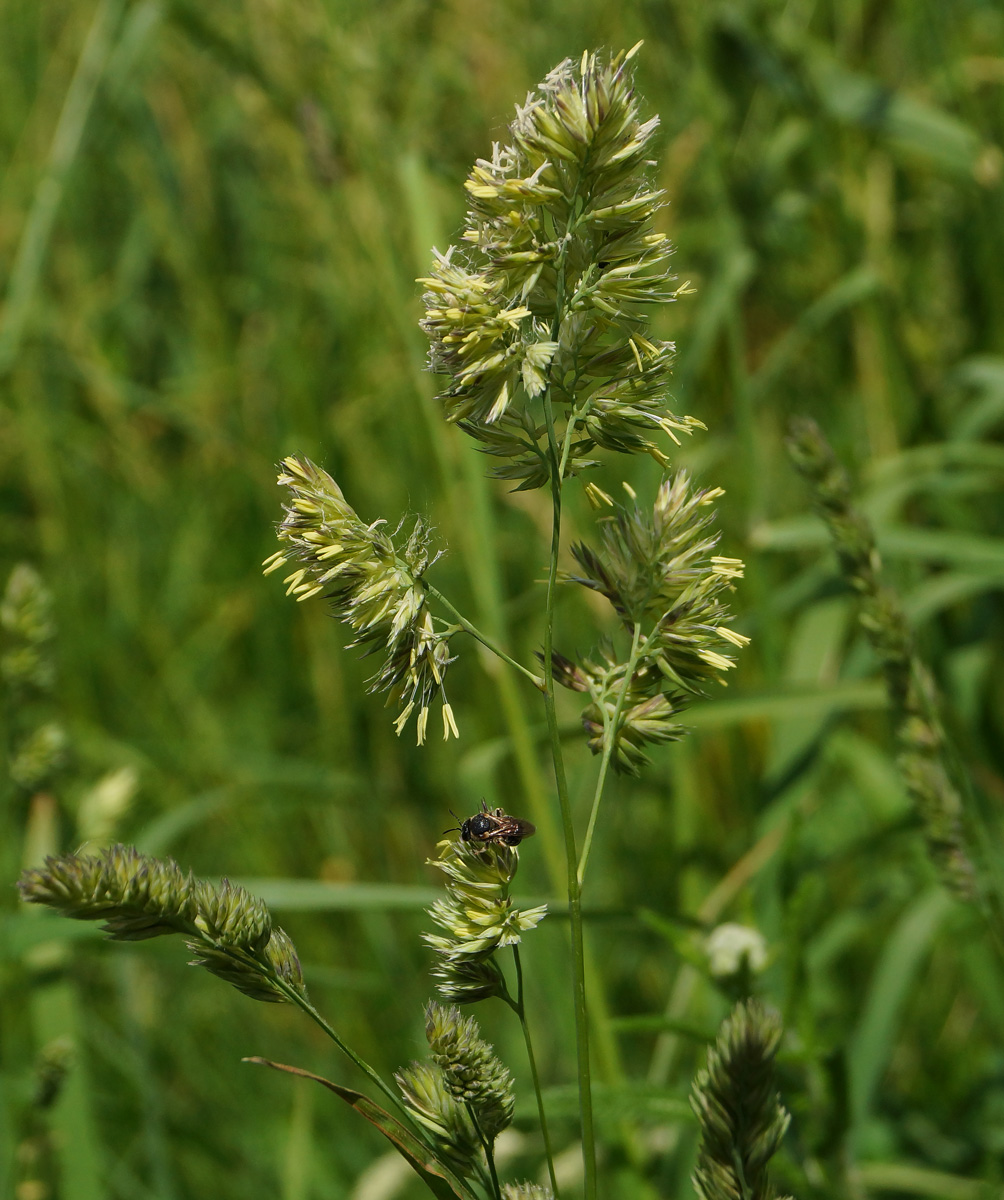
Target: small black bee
(493,828)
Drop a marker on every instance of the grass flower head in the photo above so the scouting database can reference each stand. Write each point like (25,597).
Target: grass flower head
(374,586)
(477,917)
(472,1071)
(659,571)
(429,1100)
(140,897)
(741,1117)
(551,288)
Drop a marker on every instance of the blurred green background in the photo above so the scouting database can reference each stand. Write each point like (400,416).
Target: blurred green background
(211,221)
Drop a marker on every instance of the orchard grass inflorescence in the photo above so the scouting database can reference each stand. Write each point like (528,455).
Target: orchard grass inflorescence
(374,586)
(546,296)
(140,897)
(540,322)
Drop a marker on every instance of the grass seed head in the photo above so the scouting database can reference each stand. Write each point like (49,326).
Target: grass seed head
(472,1071)
(740,1114)
(139,897)
(551,288)
(374,586)
(478,917)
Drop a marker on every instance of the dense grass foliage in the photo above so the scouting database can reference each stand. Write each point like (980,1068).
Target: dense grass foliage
(211,220)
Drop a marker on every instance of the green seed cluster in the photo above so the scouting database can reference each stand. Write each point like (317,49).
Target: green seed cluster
(431,1103)
(28,630)
(658,570)
(139,897)
(470,1067)
(741,1117)
(39,744)
(923,749)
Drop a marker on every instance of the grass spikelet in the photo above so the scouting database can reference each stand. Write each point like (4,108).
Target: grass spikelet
(741,1117)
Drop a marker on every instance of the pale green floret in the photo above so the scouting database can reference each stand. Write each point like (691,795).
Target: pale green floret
(657,570)
(374,586)
(430,1102)
(478,918)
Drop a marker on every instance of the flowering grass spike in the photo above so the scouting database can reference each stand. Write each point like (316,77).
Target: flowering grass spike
(923,758)
(741,1117)
(658,570)
(140,897)
(550,291)
(374,586)
(470,1067)
(478,917)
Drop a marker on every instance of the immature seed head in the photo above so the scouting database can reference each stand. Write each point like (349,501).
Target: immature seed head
(139,897)
(741,1117)
(27,628)
(423,1087)
(472,1071)
(658,569)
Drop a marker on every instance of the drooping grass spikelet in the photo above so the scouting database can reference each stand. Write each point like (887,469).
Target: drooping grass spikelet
(471,1069)
(374,586)
(139,897)
(740,1114)
(923,750)
(424,1089)
(550,291)
(478,917)
(526,1191)
(658,569)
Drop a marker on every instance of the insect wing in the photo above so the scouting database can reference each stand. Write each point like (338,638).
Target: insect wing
(523,828)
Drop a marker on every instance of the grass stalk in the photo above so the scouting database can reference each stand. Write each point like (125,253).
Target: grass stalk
(304,1005)
(568,829)
(519,1008)
(486,1144)
(612,724)
(485,641)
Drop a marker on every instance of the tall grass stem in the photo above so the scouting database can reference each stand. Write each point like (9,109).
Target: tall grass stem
(612,724)
(561,784)
(519,1008)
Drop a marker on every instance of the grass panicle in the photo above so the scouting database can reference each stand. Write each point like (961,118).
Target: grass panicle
(28,629)
(923,756)
(526,1191)
(478,917)
(39,744)
(472,1071)
(740,1114)
(659,571)
(549,291)
(140,897)
(432,1104)
(373,585)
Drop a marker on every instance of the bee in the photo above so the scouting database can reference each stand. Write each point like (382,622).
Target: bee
(493,828)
